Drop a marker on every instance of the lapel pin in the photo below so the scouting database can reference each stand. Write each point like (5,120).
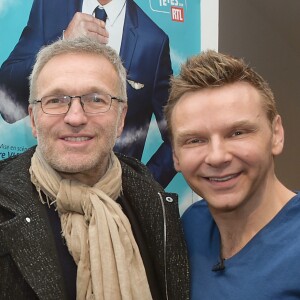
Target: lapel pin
(135,85)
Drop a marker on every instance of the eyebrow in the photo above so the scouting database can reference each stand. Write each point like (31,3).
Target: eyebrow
(61,91)
(186,133)
(243,123)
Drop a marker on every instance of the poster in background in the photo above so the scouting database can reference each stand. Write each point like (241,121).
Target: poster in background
(191,25)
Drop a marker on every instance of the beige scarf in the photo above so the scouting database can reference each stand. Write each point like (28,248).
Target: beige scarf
(97,232)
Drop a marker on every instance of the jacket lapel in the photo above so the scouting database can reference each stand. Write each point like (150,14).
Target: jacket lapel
(130,37)
(73,7)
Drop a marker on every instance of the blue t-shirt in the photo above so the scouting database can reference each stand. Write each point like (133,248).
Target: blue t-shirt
(268,267)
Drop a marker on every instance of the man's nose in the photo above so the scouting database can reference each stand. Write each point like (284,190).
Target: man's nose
(76,115)
(218,153)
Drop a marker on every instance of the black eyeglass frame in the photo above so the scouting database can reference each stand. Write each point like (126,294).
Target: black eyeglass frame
(81,102)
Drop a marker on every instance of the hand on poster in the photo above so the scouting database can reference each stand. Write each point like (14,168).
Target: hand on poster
(85,24)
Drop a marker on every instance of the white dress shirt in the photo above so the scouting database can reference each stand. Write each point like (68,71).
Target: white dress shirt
(115,11)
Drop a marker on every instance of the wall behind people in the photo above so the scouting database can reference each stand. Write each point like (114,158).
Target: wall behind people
(266,34)
(180,19)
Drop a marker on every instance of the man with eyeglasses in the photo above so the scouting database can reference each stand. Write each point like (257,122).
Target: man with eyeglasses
(76,220)
(143,47)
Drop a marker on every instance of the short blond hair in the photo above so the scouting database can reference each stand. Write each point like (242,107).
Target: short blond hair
(83,45)
(212,69)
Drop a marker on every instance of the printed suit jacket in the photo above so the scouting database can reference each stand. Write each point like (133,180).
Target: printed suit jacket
(146,56)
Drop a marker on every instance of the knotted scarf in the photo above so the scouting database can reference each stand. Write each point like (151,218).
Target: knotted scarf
(97,232)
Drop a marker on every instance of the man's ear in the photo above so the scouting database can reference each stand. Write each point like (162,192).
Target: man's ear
(122,120)
(176,162)
(32,121)
(278,136)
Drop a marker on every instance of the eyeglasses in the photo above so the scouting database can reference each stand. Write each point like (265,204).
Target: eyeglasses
(92,103)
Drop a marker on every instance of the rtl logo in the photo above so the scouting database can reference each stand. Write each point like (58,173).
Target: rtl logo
(177,14)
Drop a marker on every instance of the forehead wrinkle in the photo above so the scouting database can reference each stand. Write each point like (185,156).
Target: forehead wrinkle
(90,73)
(241,123)
(86,91)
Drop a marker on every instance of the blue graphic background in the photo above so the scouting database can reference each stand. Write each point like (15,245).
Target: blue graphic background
(185,40)
(14,138)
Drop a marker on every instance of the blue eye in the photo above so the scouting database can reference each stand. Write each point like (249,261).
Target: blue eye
(56,100)
(236,133)
(193,141)
(97,99)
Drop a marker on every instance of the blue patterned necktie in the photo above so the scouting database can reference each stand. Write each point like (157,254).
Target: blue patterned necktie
(100,14)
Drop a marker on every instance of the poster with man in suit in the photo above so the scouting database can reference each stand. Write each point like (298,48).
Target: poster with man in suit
(152,37)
